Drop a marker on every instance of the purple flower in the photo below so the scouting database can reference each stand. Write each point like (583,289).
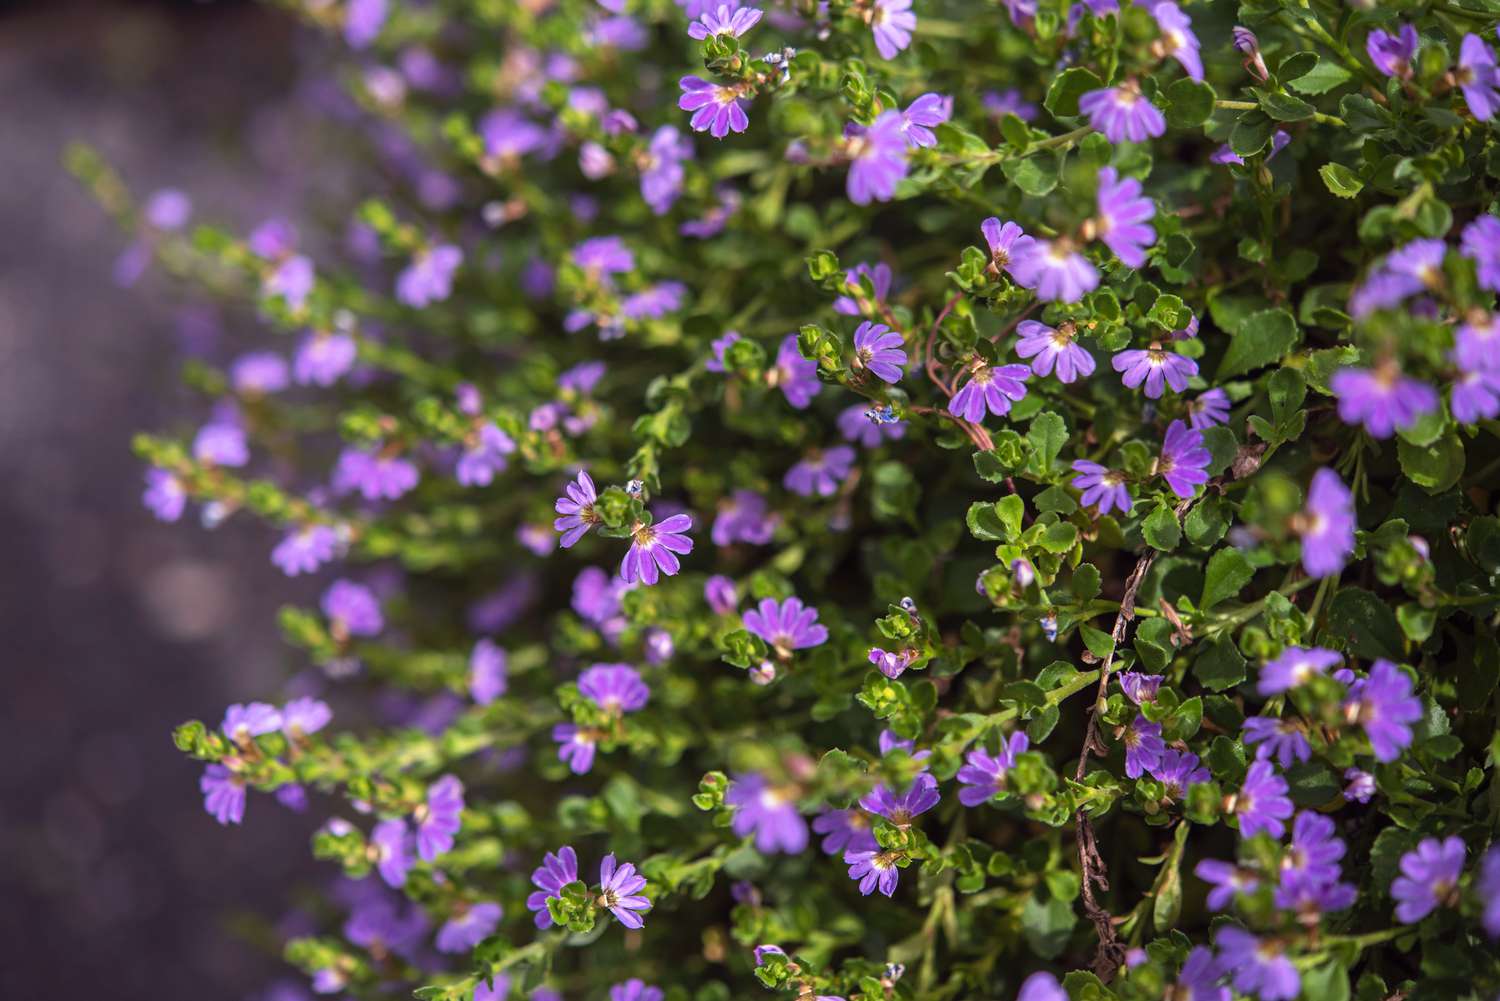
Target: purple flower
(1407,270)
(1227,880)
(1123,210)
(1277,738)
(1481,244)
(1429,878)
(1178,39)
(743,517)
(488,678)
(920,797)
(1199,979)
(892,665)
(221,443)
(1392,54)
(577,509)
(304,716)
(1002,240)
(1121,113)
(1361,787)
(874,869)
(1156,367)
(880,279)
(715,219)
(845,830)
(429,277)
(661,176)
(1183,460)
(352,609)
(615,688)
(362,22)
(1383,400)
(470,926)
(555,872)
(1311,899)
(440,818)
(596,596)
(786,626)
(620,892)
(762,951)
(720,594)
(1293,668)
(767,812)
(292,279)
(1138,687)
(1313,856)
(259,373)
(877,156)
(654,550)
(717,109)
(392,845)
(856,424)
(1050,348)
(1041,986)
(603,256)
(244,722)
(1143,747)
(1326,525)
(1476,396)
(223,794)
(635,990)
(821,472)
(983,774)
(892,23)
(1209,409)
(728,19)
(989,388)
(1258,967)
(796,375)
(165,497)
(881,350)
(1102,486)
(1052,268)
(1262,803)
(1383,704)
(1489,890)
(486,457)
(374,475)
(1177,771)
(1008,102)
(323,358)
(1477,77)
(922,116)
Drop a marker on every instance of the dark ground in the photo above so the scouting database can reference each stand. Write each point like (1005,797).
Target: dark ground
(113,882)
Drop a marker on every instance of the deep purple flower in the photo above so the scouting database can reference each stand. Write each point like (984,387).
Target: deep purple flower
(615,688)
(1361,787)
(1008,102)
(719,592)
(304,716)
(877,157)
(1140,688)
(891,741)
(634,990)
(717,108)
(1258,967)
(786,626)
(596,596)
(1311,899)
(577,509)
(856,425)
(795,375)
(223,794)
(983,774)
(1429,877)
(713,221)
(821,472)
(1123,210)
(845,830)
(1262,803)
(922,116)
(1392,54)
(874,869)
(488,678)
(1178,39)
(1053,268)
(920,797)
(1326,525)
(1050,348)
(1478,78)
(480,462)
(555,872)
(768,813)
(1143,747)
(728,19)
(1313,856)
(392,845)
(654,550)
(1199,978)
(743,517)
(1276,739)
(1227,880)
(1209,409)
(892,22)
(880,276)
(1183,460)
(323,358)
(1178,771)
(1122,113)
(1103,486)
(1001,238)
(1383,704)
(1410,268)
(470,926)
(892,665)
(1156,367)
(352,609)
(990,388)
(620,892)
(1489,890)
(375,475)
(880,350)
(762,951)
(440,818)
(244,722)
(221,443)
(165,497)
(1293,668)
(429,277)
(1383,399)
(1481,244)
(1476,396)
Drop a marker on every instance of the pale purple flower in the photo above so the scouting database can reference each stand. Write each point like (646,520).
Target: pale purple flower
(845,830)
(633,990)
(1429,878)
(223,794)
(1277,739)
(1411,268)
(1293,668)
(787,625)
(983,774)
(1103,486)
(1053,269)
(555,872)
(1178,771)
(1143,747)
(1178,38)
(440,818)
(890,664)
(762,951)
(719,592)
(1008,102)
(165,497)
(727,19)
(1488,886)
(1361,787)
(855,425)
(576,506)
(991,389)
(615,688)
(293,796)
(880,279)
(1477,77)
(1383,400)
(713,221)
(795,375)
(323,358)
(1209,409)
(1155,366)
(1001,238)
(877,157)
(1199,978)
(820,474)
(1481,244)
(1392,54)
(1258,967)
(245,722)
(352,609)
(1183,461)
(921,796)
(1476,395)
(393,847)
(363,20)
(717,108)
(167,210)
(429,276)
(259,373)
(881,350)
(304,716)
(1123,210)
(470,926)
(508,135)
(1041,986)
(892,23)
(620,892)
(874,869)
(292,279)
(1313,856)
(480,462)
(1262,803)
(1383,704)
(1122,113)
(1050,349)
(654,550)
(1326,525)
(922,116)
(743,517)
(596,597)
(1140,688)
(768,813)
(661,176)
(375,475)
(221,443)
(1227,881)
(488,677)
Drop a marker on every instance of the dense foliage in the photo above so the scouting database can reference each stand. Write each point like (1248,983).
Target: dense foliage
(1023,481)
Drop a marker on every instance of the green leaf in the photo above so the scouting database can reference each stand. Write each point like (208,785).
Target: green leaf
(1220,666)
(1286,108)
(1067,88)
(1206,521)
(1329,982)
(1047,925)
(1035,175)
(984,523)
(1365,623)
(1085,582)
(1011,510)
(1047,435)
(1228,572)
(1160,529)
(1322,78)
(1434,467)
(1260,339)
(1340,180)
(1190,103)
(1286,390)
(1251,133)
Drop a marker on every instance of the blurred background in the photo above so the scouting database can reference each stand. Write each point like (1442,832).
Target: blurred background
(116,628)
